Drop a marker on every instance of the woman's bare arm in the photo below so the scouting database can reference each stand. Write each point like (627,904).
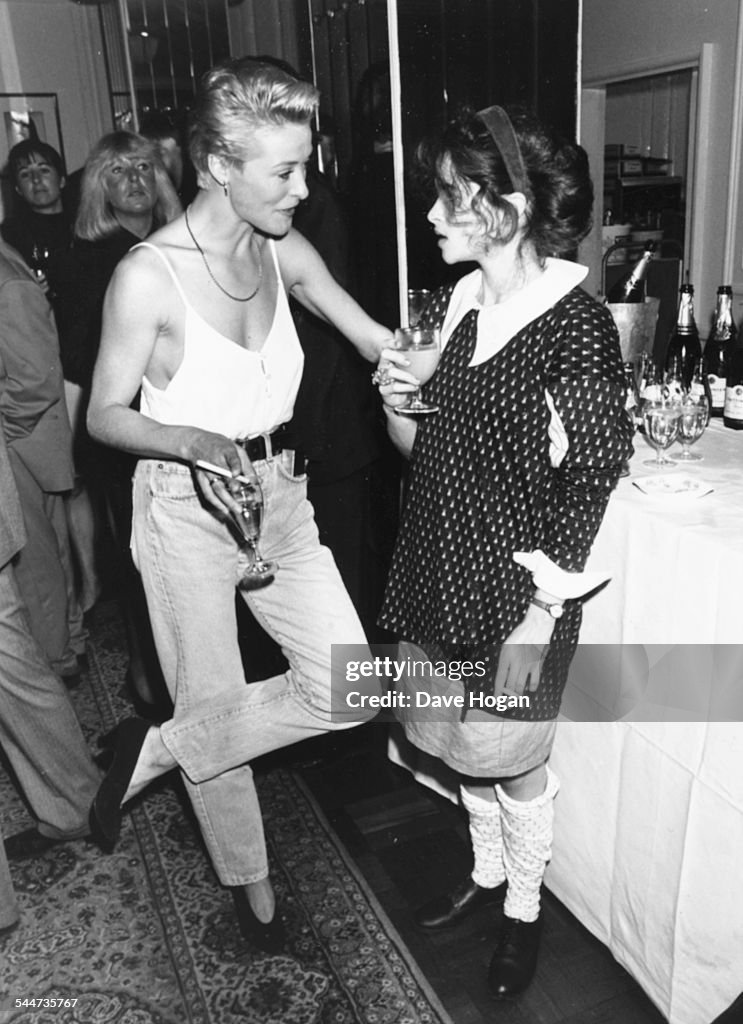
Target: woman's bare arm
(308,279)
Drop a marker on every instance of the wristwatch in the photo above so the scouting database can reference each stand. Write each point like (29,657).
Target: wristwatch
(555,610)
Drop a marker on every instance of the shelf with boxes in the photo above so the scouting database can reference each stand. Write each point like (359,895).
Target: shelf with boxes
(623,161)
(641,199)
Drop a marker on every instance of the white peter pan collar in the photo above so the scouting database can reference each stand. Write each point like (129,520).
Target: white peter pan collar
(501,321)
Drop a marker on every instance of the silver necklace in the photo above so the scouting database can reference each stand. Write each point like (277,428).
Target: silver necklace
(235,298)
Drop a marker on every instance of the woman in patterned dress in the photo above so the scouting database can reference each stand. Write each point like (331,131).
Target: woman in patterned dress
(508,484)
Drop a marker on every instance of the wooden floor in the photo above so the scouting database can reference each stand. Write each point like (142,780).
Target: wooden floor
(411,844)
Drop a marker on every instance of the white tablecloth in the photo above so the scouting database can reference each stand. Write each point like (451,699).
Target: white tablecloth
(648,848)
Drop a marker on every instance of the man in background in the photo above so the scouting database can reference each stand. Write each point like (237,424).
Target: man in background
(36,429)
(39,732)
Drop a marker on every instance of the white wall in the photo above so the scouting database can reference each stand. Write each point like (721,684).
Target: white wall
(624,39)
(54,46)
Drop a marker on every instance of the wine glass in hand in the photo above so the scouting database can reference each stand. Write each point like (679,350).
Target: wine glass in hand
(250,498)
(661,429)
(422,348)
(692,421)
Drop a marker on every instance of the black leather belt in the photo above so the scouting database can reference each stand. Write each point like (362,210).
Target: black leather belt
(264,446)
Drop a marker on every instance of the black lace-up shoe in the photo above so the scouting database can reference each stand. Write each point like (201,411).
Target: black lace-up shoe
(515,958)
(447,911)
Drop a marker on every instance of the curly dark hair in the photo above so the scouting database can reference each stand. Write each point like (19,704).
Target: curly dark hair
(561,191)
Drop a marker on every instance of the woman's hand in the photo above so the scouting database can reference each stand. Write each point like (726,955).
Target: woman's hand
(218,492)
(523,652)
(372,348)
(395,382)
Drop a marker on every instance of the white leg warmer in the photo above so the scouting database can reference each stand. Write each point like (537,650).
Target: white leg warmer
(487,841)
(527,847)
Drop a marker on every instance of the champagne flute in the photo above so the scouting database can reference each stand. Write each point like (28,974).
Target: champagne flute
(249,520)
(692,421)
(248,523)
(661,429)
(422,347)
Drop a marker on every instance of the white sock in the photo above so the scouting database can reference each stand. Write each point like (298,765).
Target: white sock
(487,841)
(527,847)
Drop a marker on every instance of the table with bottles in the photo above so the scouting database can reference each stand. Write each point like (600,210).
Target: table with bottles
(649,821)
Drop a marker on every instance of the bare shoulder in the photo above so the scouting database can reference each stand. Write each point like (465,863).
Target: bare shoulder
(297,257)
(146,272)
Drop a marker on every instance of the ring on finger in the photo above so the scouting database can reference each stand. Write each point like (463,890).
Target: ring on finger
(381,377)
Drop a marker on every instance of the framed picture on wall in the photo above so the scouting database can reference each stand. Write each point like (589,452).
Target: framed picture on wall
(28,116)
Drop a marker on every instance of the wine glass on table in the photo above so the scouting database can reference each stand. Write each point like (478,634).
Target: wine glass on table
(661,419)
(422,348)
(692,421)
(259,572)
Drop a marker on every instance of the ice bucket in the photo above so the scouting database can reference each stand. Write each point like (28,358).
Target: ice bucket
(636,322)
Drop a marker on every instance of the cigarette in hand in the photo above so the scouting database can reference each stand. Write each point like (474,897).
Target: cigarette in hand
(209,467)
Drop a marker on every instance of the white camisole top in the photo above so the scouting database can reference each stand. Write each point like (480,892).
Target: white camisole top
(222,387)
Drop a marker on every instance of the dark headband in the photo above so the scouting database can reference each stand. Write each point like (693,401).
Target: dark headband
(498,123)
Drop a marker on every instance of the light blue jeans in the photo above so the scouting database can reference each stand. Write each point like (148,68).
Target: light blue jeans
(191,563)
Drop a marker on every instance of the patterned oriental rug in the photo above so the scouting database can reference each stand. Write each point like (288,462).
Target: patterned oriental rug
(148,936)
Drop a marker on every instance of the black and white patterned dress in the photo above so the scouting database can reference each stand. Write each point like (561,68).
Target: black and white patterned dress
(482,486)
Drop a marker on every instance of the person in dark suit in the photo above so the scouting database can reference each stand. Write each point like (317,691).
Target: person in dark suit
(39,732)
(336,412)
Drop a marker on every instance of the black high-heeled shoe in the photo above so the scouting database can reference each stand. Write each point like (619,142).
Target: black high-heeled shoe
(270,937)
(126,740)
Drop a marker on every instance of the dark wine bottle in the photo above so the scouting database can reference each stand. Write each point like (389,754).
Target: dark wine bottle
(631,287)
(733,411)
(719,347)
(684,349)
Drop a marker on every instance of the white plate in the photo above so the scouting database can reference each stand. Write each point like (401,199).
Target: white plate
(672,485)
